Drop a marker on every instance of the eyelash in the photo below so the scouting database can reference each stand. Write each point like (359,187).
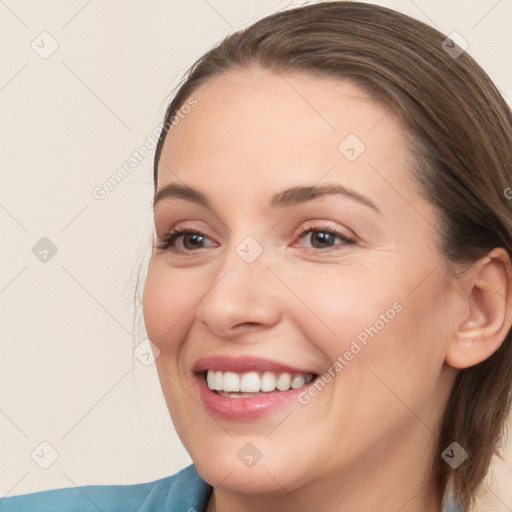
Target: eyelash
(170,238)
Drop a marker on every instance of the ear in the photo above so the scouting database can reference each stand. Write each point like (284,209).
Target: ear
(488,311)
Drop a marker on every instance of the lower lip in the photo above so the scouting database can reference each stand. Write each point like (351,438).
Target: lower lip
(240,409)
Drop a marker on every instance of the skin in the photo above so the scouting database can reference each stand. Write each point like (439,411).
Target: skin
(367,440)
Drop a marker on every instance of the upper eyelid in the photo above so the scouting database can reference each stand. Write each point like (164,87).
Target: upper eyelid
(299,231)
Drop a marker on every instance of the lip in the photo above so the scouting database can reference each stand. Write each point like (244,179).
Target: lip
(245,364)
(244,409)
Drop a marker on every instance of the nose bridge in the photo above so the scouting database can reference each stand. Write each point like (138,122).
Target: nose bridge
(244,260)
(242,274)
(241,292)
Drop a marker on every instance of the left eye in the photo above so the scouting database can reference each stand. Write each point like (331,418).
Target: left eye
(323,239)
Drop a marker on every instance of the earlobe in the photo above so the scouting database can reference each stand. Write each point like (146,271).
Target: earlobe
(489,311)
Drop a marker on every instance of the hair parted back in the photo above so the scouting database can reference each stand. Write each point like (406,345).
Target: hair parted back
(461,129)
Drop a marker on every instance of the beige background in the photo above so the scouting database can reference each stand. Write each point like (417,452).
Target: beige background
(69,120)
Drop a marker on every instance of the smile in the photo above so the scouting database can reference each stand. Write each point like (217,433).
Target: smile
(247,388)
(246,385)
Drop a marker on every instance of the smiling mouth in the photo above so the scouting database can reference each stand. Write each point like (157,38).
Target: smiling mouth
(249,384)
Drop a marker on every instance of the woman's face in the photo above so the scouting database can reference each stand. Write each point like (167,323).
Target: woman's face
(310,253)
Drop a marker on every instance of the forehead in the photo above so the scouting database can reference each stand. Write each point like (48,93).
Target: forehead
(280,102)
(269,128)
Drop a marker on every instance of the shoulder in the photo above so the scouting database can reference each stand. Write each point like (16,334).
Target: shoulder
(180,492)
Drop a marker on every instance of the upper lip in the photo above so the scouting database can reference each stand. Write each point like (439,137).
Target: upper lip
(243,364)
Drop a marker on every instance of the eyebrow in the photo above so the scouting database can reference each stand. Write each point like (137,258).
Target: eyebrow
(289,197)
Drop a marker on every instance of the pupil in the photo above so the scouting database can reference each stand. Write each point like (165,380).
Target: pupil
(192,239)
(322,238)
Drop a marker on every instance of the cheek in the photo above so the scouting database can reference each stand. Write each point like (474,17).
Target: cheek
(373,322)
(168,304)
(169,301)
(404,356)
(338,305)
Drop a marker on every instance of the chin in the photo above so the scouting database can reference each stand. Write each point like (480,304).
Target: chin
(232,476)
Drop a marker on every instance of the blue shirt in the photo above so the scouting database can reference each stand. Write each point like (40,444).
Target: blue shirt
(185,491)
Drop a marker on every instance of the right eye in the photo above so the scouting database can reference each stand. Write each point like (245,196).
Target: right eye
(184,240)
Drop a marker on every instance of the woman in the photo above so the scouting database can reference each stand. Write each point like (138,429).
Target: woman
(330,285)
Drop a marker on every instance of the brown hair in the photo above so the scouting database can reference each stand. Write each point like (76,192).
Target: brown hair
(462,131)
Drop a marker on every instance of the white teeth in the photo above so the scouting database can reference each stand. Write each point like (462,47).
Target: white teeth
(268,382)
(237,395)
(284,381)
(249,383)
(218,383)
(231,382)
(298,381)
(210,380)
(244,385)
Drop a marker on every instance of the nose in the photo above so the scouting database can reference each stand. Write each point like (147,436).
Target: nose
(242,297)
